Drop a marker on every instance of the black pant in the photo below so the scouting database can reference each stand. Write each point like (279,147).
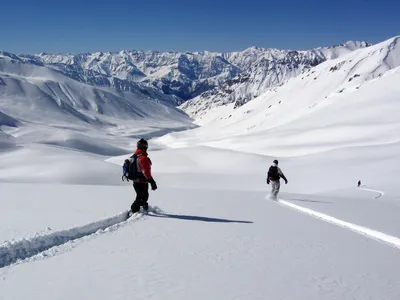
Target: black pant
(142,196)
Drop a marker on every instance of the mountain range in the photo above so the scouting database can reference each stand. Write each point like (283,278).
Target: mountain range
(110,89)
(186,75)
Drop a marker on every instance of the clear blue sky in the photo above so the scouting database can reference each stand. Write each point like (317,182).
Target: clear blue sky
(169,25)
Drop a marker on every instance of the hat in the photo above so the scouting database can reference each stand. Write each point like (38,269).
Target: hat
(142,144)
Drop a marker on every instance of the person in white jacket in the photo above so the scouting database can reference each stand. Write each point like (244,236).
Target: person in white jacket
(273,177)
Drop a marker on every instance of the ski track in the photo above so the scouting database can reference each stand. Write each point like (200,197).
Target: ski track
(380,193)
(48,245)
(370,233)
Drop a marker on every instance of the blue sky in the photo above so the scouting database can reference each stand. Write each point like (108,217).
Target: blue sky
(176,25)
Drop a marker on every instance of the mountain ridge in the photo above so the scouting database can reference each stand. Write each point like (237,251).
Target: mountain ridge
(182,75)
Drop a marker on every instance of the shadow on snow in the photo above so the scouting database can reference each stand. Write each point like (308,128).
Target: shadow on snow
(306,200)
(197,218)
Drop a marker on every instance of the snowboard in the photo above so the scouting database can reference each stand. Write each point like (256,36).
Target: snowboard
(151,209)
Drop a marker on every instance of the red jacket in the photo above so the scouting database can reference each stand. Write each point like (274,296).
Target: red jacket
(144,164)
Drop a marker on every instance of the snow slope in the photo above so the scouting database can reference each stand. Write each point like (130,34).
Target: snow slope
(350,101)
(270,68)
(43,106)
(213,235)
(27,87)
(6,142)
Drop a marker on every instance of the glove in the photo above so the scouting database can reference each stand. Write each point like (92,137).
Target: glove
(285,181)
(152,183)
(125,177)
(267,180)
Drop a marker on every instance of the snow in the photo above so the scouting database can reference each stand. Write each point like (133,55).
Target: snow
(391,240)
(6,141)
(15,251)
(212,233)
(179,76)
(311,113)
(8,121)
(214,230)
(255,249)
(262,69)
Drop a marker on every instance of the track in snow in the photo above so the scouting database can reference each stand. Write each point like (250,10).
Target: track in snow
(380,193)
(47,245)
(370,233)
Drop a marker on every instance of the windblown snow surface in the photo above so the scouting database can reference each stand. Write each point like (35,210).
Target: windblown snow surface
(212,232)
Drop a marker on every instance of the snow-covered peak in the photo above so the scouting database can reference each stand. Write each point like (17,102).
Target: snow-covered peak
(262,69)
(351,101)
(182,74)
(9,56)
(36,92)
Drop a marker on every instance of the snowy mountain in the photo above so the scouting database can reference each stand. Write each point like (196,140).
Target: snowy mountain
(266,68)
(43,105)
(26,87)
(186,75)
(348,101)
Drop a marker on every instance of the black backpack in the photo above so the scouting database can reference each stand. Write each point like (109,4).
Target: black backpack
(130,170)
(273,173)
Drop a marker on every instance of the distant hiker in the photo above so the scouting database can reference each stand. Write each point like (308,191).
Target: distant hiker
(273,176)
(138,169)
(359,183)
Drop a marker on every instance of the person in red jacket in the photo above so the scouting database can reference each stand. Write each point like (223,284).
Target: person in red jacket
(144,177)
